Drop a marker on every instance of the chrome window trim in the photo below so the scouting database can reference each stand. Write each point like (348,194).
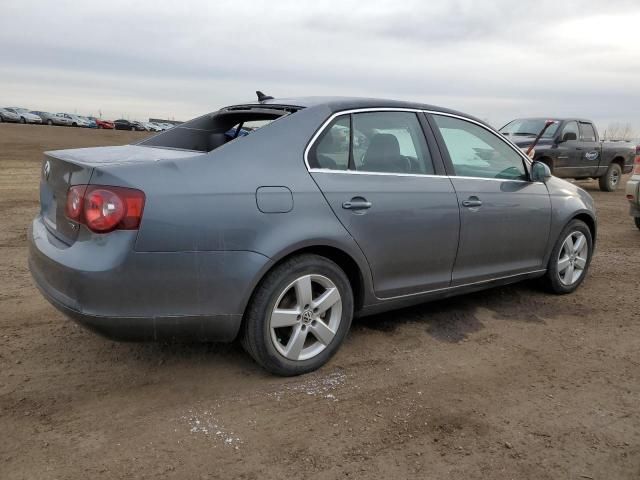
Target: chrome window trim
(413,110)
(494,279)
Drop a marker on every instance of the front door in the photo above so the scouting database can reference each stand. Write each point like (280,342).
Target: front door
(589,149)
(505,218)
(377,174)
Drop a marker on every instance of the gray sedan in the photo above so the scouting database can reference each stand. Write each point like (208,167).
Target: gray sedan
(53,118)
(278,221)
(8,115)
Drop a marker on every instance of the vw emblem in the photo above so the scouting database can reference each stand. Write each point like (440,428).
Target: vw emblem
(46,169)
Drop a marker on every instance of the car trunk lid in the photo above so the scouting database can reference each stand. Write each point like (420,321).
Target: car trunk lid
(62,169)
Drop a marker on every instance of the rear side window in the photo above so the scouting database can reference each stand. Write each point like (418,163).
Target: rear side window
(390,142)
(587,133)
(380,142)
(476,152)
(331,150)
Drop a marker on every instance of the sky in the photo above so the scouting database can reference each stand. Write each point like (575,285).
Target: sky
(497,60)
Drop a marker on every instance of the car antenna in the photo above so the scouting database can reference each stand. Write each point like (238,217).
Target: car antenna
(547,124)
(262,97)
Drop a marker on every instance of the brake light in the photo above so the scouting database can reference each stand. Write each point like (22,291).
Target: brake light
(636,163)
(104,209)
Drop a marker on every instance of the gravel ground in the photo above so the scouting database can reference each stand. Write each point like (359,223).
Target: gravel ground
(510,383)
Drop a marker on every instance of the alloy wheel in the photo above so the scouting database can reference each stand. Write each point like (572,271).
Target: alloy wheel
(573,257)
(305,317)
(614,178)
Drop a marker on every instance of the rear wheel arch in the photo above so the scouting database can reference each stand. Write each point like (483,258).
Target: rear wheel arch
(619,161)
(345,261)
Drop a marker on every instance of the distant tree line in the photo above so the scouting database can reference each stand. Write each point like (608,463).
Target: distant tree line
(619,131)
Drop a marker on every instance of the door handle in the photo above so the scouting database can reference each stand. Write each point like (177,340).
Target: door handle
(356,203)
(472,202)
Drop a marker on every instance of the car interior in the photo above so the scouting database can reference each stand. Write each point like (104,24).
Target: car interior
(208,132)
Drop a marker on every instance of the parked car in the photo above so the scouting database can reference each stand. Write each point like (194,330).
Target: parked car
(285,234)
(572,149)
(123,124)
(53,118)
(24,115)
(105,124)
(76,120)
(152,127)
(91,123)
(7,115)
(633,190)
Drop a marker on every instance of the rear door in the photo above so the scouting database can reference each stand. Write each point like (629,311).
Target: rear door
(380,179)
(505,218)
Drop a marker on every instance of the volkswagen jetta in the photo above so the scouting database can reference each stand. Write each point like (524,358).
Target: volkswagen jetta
(278,221)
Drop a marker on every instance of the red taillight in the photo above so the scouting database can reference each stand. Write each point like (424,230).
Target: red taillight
(104,208)
(74,202)
(636,163)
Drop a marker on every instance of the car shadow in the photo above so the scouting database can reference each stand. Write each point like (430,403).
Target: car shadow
(455,319)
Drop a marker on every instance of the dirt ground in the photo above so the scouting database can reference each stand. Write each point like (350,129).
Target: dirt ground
(510,383)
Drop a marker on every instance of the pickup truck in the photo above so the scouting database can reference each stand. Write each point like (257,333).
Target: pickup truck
(572,148)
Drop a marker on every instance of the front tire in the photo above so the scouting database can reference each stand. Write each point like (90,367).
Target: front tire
(570,258)
(637,220)
(298,316)
(50,122)
(22,120)
(610,180)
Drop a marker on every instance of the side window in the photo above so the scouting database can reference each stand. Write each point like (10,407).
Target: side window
(476,152)
(390,142)
(331,150)
(587,133)
(572,129)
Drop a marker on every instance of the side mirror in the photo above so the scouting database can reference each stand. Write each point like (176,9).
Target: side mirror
(568,136)
(540,172)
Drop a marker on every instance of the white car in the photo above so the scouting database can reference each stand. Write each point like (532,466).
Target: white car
(152,127)
(76,120)
(633,189)
(24,115)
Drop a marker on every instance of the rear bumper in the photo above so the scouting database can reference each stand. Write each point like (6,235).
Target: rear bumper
(103,284)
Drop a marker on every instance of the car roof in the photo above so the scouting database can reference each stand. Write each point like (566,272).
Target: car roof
(557,119)
(337,104)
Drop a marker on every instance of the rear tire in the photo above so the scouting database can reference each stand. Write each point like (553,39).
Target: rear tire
(22,120)
(50,122)
(610,180)
(282,293)
(568,266)
(637,220)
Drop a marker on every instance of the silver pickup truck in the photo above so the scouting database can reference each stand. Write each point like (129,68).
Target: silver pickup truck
(633,190)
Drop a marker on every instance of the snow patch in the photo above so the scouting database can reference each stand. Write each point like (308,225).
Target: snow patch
(205,423)
(315,387)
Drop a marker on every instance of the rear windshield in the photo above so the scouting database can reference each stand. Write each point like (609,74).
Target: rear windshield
(211,131)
